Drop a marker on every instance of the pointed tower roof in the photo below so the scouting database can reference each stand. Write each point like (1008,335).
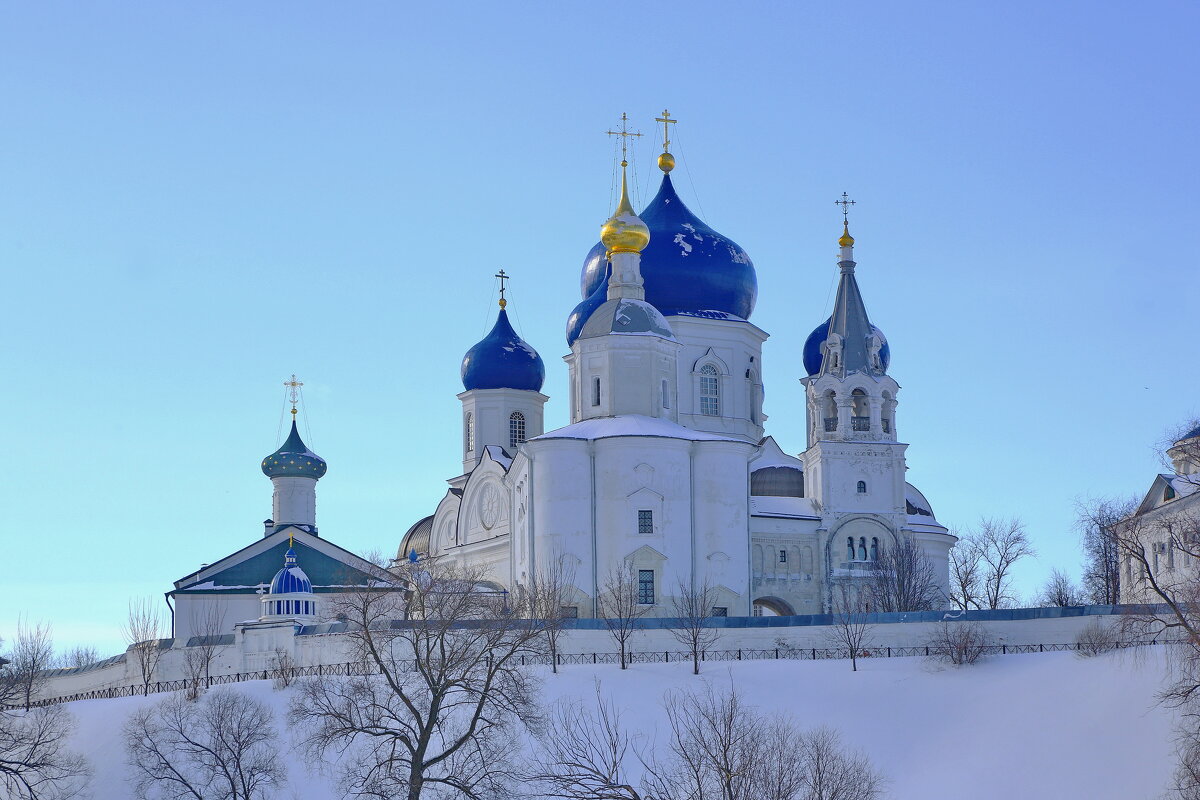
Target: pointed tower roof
(851,323)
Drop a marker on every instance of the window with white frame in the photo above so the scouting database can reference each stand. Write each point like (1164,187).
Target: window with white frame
(710,391)
(469,432)
(646,587)
(516,428)
(645,521)
(783,556)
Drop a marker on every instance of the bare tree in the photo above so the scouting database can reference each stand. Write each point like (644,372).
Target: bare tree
(966,574)
(208,625)
(224,745)
(957,642)
(1002,543)
(32,654)
(620,606)
(79,656)
(35,762)
(1095,520)
(904,579)
(718,748)
(693,610)
(283,665)
(583,753)
(1095,638)
(1060,590)
(548,599)
(142,629)
(443,700)
(849,629)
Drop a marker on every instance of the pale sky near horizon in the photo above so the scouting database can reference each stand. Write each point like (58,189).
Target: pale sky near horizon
(198,200)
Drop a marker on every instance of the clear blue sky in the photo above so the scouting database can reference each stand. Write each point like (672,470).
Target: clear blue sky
(197,200)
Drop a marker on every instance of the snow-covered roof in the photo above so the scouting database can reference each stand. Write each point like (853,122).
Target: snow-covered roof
(787,507)
(772,455)
(918,506)
(631,425)
(497,454)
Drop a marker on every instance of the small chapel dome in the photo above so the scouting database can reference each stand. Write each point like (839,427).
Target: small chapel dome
(291,578)
(503,360)
(812,348)
(624,315)
(687,267)
(294,459)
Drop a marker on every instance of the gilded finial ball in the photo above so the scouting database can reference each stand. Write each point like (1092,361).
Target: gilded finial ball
(503,303)
(666,162)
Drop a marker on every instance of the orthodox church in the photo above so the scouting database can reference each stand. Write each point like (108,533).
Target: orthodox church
(666,468)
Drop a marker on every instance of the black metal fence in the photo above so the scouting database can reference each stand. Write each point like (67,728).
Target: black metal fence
(289,674)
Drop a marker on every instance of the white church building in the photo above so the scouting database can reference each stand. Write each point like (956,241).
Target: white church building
(666,467)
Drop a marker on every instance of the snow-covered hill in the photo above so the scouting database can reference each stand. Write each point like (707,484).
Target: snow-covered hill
(1041,725)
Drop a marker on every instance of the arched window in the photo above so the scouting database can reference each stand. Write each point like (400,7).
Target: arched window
(831,412)
(595,391)
(469,433)
(850,548)
(516,428)
(710,391)
(874,548)
(862,548)
(888,409)
(860,411)
(862,487)
(1168,493)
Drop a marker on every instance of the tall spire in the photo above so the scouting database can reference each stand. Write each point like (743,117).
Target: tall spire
(852,343)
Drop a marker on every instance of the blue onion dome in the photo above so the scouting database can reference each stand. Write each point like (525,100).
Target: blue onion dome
(294,459)
(812,348)
(687,267)
(291,578)
(582,312)
(503,360)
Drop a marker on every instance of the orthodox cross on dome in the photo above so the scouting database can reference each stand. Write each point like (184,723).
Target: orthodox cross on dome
(294,392)
(624,133)
(503,277)
(845,203)
(667,122)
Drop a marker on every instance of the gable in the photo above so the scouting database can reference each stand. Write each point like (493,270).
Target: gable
(255,565)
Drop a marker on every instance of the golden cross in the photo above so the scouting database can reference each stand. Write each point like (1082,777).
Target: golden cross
(294,385)
(666,120)
(503,277)
(845,203)
(624,134)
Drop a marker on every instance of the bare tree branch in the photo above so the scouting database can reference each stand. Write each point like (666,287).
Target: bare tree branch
(620,608)
(142,629)
(693,608)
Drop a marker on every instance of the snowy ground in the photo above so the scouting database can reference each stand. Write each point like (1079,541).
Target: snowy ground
(1038,725)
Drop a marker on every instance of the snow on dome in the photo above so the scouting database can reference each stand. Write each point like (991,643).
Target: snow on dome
(291,578)
(503,360)
(687,266)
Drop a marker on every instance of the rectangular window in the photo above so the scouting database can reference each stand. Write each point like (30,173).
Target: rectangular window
(666,394)
(646,587)
(595,391)
(570,612)
(783,556)
(645,522)
(720,611)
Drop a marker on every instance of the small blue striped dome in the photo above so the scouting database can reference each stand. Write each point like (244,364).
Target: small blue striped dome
(291,578)
(812,348)
(294,459)
(503,360)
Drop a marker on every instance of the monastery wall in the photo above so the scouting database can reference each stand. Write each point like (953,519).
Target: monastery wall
(256,649)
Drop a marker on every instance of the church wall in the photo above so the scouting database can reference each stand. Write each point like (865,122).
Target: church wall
(736,349)
(722,518)
(561,496)
(642,473)
(797,581)
(232,607)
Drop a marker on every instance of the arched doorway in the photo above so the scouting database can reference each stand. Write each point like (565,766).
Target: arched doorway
(772,607)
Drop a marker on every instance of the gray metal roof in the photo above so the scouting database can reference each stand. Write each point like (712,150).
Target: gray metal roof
(625,315)
(851,323)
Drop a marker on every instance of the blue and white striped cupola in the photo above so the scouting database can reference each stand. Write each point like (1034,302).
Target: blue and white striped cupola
(291,578)
(291,593)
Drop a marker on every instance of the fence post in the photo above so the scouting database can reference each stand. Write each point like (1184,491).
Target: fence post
(739,654)
(927,651)
(593,658)
(889,652)
(814,654)
(703,653)
(1003,649)
(776,653)
(667,656)
(1040,649)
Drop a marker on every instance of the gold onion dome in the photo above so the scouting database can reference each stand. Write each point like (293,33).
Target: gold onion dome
(847,240)
(624,232)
